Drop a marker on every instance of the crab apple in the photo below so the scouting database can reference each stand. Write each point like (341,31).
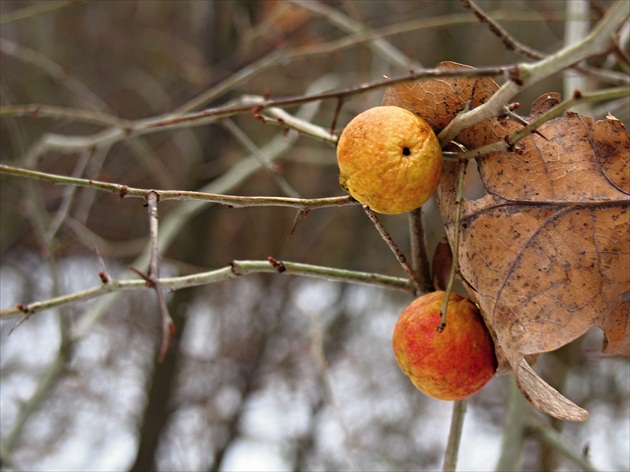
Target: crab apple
(389,159)
(448,365)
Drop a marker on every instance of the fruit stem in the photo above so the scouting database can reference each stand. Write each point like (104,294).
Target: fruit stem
(419,285)
(463,163)
(454,436)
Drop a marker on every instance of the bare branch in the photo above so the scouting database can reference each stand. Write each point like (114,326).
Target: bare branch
(235,269)
(231,201)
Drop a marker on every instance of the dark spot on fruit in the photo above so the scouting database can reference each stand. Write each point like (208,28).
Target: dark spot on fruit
(406,151)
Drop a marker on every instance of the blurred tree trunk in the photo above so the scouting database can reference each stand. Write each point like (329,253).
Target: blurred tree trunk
(159,393)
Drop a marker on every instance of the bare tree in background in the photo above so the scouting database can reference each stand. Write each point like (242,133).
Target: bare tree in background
(114,110)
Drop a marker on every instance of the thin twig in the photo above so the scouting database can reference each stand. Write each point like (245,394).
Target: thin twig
(212,114)
(495,28)
(153,276)
(418,283)
(410,26)
(454,436)
(103,274)
(455,245)
(208,115)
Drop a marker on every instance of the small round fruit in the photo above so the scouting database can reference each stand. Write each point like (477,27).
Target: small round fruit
(389,159)
(450,365)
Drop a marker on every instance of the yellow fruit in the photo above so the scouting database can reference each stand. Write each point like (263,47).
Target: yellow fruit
(450,365)
(389,159)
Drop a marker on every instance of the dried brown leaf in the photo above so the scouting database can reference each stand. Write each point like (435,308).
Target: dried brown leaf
(438,101)
(545,253)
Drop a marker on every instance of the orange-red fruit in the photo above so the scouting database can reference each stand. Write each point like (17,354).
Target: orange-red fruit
(450,365)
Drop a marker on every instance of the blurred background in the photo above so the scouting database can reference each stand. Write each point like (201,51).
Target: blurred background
(265,372)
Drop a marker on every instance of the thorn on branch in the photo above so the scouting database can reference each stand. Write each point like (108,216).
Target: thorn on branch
(278,265)
(302,213)
(25,309)
(513,106)
(235,269)
(123,191)
(145,277)
(509,113)
(102,274)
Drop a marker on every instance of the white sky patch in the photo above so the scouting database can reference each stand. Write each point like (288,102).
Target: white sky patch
(254,455)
